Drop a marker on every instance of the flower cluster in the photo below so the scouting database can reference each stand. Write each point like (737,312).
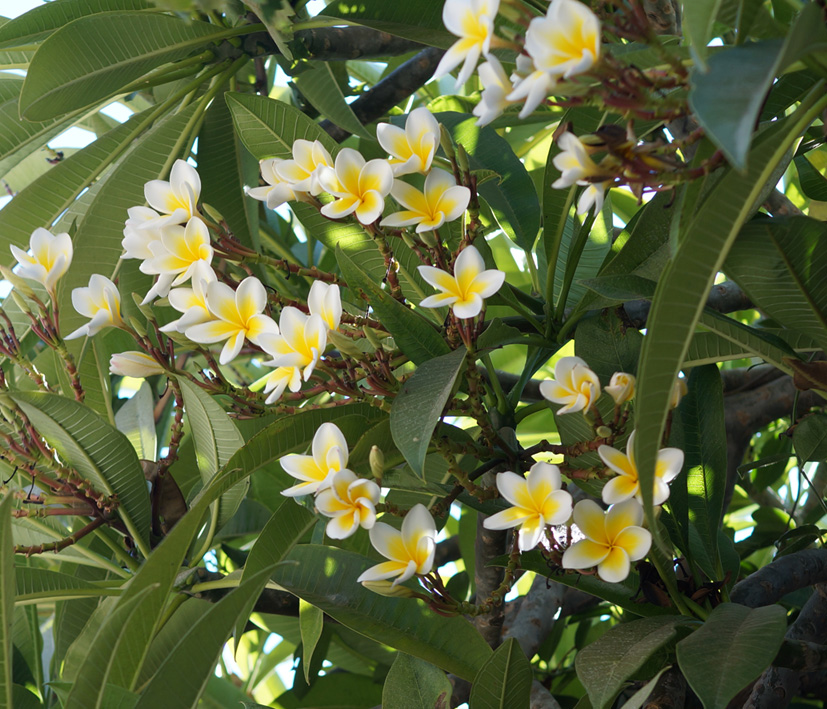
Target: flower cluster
(350,502)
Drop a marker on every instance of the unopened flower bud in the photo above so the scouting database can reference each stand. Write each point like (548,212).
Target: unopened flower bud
(621,387)
(386,588)
(603,431)
(134,364)
(679,391)
(462,159)
(21,302)
(446,142)
(377,462)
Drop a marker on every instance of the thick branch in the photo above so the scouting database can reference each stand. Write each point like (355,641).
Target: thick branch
(786,574)
(535,618)
(395,87)
(669,693)
(336,44)
(489,545)
(726,297)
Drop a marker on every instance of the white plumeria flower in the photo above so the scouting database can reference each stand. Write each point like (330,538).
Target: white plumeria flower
(236,315)
(300,342)
(466,290)
(533,88)
(627,484)
(175,255)
(621,387)
(496,87)
(359,187)
(134,364)
(442,201)
(192,302)
(277,191)
(329,454)
(144,227)
(101,301)
(574,162)
(302,172)
(574,385)
(473,22)
(350,502)
(50,257)
(537,501)
(325,300)
(177,199)
(410,551)
(613,539)
(679,390)
(566,41)
(280,379)
(593,195)
(412,149)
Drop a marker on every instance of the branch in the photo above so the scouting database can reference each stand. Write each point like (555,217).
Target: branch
(669,692)
(786,574)
(489,544)
(332,44)
(541,698)
(396,86)
(535,618)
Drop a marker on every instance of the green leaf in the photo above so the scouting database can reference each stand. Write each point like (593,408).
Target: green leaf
(98,451)
(698,17)
(321,88)
(414,335)
(732,648)
(311,624)
(813,183)
(136,420)
(109,643)
(418,407)
(513,199)
(605,665)
(63,77)
(810,437)
(7,589)
(624,595)
(638,699)
(607,345)
(35,585)
(781,263)
(225,167)
(621,288)
(504,681)
(182,677)
(415,684)
(685,282)
(420,21)
(39,22)
(268,128)
(449,643)
(18,139)
(698,495)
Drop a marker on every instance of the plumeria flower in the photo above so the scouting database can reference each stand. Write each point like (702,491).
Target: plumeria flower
(359,187)
(412,149)
(175,255)
(466,290)
(537,501)
(49,258)
(329,455)
(277,190)
(621,387)
(530,85)
(679,390)
(410,551)
(101,301)
(442,201)
(177,199)
(300,342)
(627,484)
(325,300)
(350,502)
(574,162)
(302,172)
(473,22)
(613,539)
(574,385)
(593,196)
(279,379)
(566,41)
(134,364)
(236,315)
(496,87)
(192,302)
(144,227)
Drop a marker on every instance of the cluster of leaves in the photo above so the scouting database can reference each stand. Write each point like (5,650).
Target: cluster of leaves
(139,603)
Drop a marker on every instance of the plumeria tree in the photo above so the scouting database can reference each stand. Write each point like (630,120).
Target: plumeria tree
(414,354)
